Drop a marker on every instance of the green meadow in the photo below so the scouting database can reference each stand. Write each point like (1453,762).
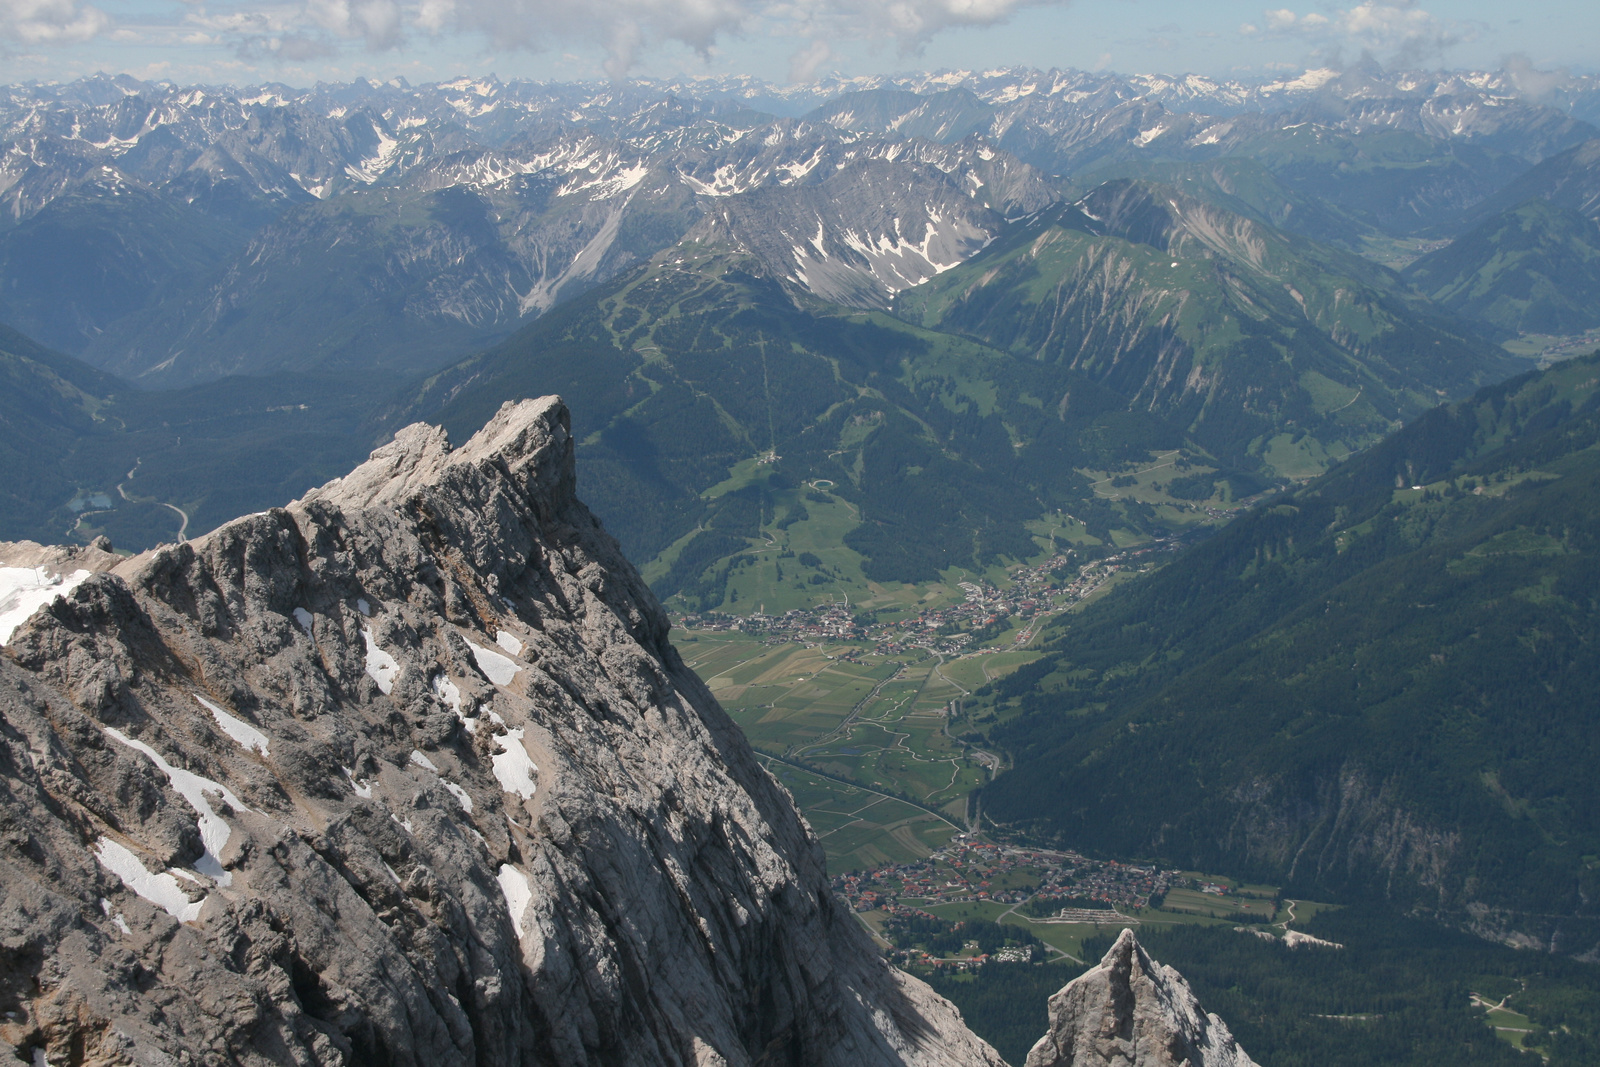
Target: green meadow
(859,721)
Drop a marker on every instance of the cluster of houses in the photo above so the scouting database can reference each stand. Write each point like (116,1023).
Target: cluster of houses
(916,957)
(973,870)
(1033,591)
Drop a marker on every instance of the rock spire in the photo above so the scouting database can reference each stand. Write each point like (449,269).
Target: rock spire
(1130,1011)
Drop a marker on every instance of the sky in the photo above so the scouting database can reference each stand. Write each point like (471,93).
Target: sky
(303,41)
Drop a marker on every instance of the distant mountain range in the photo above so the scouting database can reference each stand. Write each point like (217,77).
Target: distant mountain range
(961,290)
(176,234)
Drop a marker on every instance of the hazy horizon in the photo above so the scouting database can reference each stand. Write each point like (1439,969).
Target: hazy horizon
(301,42)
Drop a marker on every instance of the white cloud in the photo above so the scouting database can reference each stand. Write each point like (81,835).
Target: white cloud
(624,30)
(803,65)
(1402,30)
(1532,82)
(434,15)
(377,22)
(241,25)
(298,32)
(51,21)
(626,27)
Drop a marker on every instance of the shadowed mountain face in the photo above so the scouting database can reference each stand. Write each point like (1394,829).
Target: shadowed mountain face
(89,455)
(408,773)
(1569,180)
(1532,269)
(1378,684)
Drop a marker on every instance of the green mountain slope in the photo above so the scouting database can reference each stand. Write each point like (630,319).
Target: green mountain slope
(715,416)
(1532,269)
(1264,346)
(727,420)
(1382,683)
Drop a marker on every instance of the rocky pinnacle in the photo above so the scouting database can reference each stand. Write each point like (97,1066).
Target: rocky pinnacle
(407,772)
(1130,1011)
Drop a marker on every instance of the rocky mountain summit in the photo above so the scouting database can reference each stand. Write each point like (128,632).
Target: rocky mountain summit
(407,772)
(1130,1011)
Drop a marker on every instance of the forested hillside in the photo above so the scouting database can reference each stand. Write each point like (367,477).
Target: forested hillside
(1381,683)
(1532,269)
(86,454)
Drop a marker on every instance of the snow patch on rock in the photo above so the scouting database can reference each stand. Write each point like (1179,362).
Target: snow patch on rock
(512,766)
(162,889)
(214,830)
(248,737)
(495,667)
(381,667)
(514,884)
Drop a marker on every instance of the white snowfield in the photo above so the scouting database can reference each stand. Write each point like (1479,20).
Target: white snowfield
(24,590)
(162,889)
(381,667)
(514,884)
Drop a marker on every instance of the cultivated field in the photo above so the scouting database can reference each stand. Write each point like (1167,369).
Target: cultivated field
(860,828)
(878,722)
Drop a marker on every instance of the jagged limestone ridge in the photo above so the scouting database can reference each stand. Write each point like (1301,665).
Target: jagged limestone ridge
(408,773)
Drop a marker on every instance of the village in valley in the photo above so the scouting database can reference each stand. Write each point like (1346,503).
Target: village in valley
(863,713)
(987,612)
(969,870)
(975,902)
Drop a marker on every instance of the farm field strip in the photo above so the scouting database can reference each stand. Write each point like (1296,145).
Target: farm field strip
(878,720)
(859,827)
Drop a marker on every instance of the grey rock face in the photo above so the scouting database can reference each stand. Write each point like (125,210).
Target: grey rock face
(408,773)
(1130,1011)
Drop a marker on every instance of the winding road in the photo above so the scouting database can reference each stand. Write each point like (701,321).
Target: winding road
(183,516)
